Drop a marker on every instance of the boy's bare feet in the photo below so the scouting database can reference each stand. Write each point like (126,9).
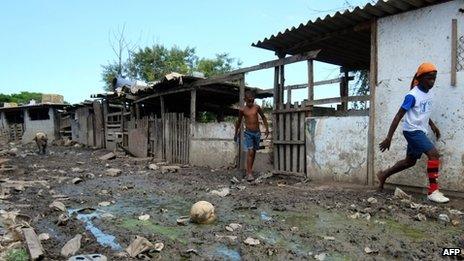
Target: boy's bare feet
(249,177)
(382,178)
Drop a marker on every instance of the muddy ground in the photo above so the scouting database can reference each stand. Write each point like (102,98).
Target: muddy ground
(290,218)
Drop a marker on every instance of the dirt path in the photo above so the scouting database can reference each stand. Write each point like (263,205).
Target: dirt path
(291,220)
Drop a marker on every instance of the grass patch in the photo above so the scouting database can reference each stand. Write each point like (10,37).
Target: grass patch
(173,233)
(412,233)
(18,254)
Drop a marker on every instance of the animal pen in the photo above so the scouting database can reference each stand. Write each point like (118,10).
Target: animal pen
(309,139)
(161,120)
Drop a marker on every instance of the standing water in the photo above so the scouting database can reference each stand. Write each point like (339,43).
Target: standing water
(102,238)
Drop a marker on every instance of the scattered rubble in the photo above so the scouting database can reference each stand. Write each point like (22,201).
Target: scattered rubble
(138,246)
(77,170)
(251,241)
(166,169)
(368,250)
(113,172)
(104,204)
(34,247)
(72,246)
(57,205)
(233,227)
(420,217)
(183,220)
(372,200)
(400,194)
(144,217)
(44,236)
(153,166)
(444,218)
(88,257)
(108,156)
(221,192)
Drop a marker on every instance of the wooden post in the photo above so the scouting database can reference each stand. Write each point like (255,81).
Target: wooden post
(310,86)
(282,86)
(274,119)
(454,52)
(344,88)
(163,122)
(193,114)
(241,102)
(137,111)
(372,87)
(105,122)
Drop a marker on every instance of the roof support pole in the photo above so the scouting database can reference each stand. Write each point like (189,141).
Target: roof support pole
(372,87)
(310,86)
(241,102)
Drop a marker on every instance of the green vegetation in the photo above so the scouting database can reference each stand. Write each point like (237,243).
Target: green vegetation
(18,254)
(21,98)
(152,63)
(173,233)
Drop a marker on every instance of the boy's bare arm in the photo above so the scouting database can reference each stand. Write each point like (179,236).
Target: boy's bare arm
(434,129)
(266,125)
(238,123)
(385,144)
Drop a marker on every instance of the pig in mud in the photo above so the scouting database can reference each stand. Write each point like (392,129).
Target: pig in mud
(41,141)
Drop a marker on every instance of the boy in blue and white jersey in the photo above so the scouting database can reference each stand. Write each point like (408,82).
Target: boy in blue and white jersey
(417,107)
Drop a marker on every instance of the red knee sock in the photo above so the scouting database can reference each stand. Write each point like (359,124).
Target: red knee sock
(433,173)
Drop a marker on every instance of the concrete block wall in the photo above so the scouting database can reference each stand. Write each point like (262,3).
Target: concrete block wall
(32,127)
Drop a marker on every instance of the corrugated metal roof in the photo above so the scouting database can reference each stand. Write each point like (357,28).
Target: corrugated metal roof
(353,32)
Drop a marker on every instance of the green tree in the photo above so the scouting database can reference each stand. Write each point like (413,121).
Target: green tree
(361,87)
(219,65)
(152,63)
(21,98)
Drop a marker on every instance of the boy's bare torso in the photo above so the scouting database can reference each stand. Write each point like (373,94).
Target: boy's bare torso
(251,117)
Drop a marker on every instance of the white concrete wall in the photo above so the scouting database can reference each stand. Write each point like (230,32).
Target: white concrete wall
(336,148)
(213,145)
(405,41)
(32,127)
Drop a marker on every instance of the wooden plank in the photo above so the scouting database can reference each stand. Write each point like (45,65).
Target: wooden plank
(275,150)
(138,142)
(301,136)
(281,137)
(288,152)
(34,247)
(290,142)
(277,62)
(344,89)
(241,102)
(339,99)
(163,126)
(372,89)
(294,134)
(281,86)
(99,124)
(310,85)
(318,83)
(454,50)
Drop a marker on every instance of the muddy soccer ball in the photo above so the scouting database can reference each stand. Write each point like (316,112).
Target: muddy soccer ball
(202,212)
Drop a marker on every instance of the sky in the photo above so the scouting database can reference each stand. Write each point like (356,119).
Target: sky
(59,46)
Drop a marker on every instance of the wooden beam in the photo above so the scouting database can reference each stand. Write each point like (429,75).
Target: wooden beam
(159,94)
(193,105)
(318,83)
(274,63)
(281,85)
(241,102)
(339,99)
(454,52)
(310,85)
(372,89)
(344,88)
(274,118)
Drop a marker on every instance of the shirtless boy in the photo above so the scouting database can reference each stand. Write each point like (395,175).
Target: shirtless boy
(252,134)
